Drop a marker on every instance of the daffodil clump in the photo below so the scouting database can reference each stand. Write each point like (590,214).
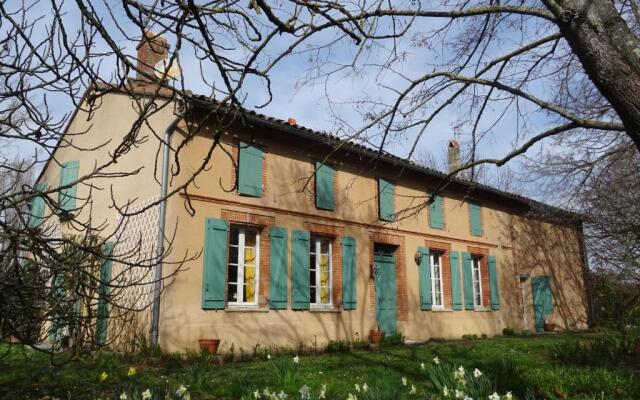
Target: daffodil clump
(457,383)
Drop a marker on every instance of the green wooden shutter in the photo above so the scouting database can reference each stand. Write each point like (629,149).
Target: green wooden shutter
(250,170)
(278,243)
(102,314)
(424,270)
(456,295)
(69,174)
(324,186)
(386,200)
(493,282)
(214,271)
(435,213)
(37,207)
(300,270)
(475,219)
(467,276)
(349,273)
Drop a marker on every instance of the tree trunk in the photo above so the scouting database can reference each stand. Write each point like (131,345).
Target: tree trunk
(609,53)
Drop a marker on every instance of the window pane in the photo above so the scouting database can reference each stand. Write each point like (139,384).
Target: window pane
(232,292)
(312,294)
(234,235)
(250,238)
(249,288)
(233,255)
(233,274)
(324,246)
(250,256)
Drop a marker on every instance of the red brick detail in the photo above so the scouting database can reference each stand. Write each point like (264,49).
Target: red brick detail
(335,232)
(264,222)
(445,249)
(327,230)
(484,273)
(234,168)
(402,295)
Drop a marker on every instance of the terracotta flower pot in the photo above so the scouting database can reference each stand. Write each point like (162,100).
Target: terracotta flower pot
(375,337)
(549,327)
(209,345)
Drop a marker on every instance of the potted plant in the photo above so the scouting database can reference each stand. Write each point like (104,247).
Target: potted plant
(549,326)
(209,345)
(375,335)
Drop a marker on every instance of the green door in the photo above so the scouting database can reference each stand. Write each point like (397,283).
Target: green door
(542,302)
(385,279)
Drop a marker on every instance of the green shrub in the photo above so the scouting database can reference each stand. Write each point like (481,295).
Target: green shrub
(394,339)
(509,332)
(608,347)
(338,346)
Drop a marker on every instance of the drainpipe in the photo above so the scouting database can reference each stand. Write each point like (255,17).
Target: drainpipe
(164,188)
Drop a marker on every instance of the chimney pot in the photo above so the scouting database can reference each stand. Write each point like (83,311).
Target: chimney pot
(292,121)
(454,155)
(152,49)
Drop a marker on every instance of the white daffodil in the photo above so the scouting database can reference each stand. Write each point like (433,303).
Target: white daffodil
(508,396)
(357,386)
(256,394)
(422,366)
(123,396)
(494,396)
(181,390)
(365,387)
(477,373)
(266,392)
(146,395)
(305,394)
(351,397)
(323,391)
(282,395)
(268,356)
(404,381)
(467,398)
(413,389)
(296,359)
(436,360)
(459,394)
(445,391)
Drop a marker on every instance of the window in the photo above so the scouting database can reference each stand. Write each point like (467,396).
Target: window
(475,219)
(320,271)
(250,166)
(435,213)
(477,281)
(436,278)
(386,206)
(325,176)
(244,253)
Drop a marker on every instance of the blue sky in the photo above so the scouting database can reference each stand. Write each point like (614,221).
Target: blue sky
(308,104)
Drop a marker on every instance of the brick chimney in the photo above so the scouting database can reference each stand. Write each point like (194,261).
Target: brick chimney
(152,49)
(454,155)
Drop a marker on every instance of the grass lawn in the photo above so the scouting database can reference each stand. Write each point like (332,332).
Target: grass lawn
(528,367)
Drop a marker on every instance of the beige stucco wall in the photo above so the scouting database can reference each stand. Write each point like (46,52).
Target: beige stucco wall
(520,245)
(107,190)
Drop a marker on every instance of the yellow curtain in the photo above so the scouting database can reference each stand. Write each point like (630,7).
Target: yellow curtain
(324,279)
(249,273)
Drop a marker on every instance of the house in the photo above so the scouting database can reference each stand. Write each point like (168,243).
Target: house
(291,235)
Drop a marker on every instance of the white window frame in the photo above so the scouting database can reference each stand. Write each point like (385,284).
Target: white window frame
(314,247)
(241,266)
(476,267)
(439,255)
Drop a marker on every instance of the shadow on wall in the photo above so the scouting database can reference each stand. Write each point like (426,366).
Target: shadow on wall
(544,249)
